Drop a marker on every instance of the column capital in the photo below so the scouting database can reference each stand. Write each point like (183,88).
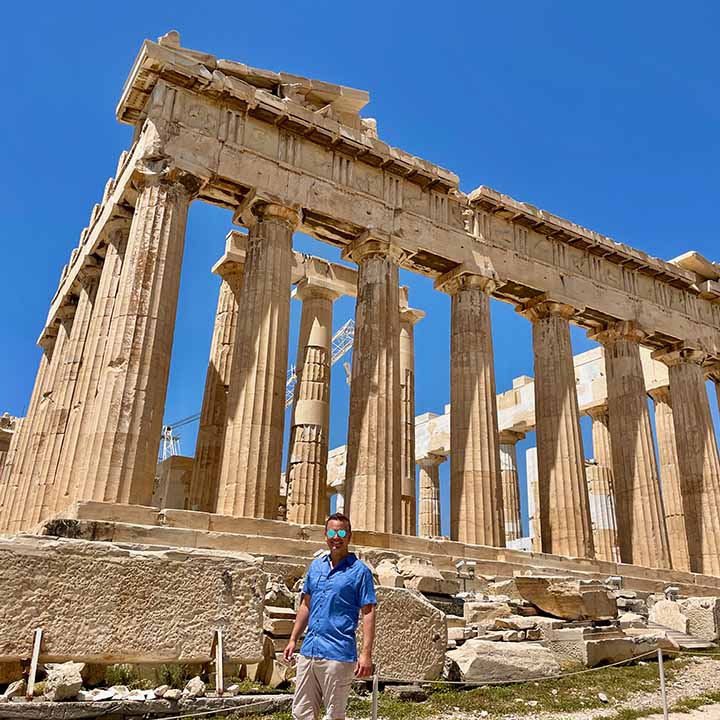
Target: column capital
(373,244)
(150,171)
(542,307)
(315,287)
(598,412)
(263,210)
(510,437)
(464,277)
(660,394)
(431,460)
(680,355)
(621,330)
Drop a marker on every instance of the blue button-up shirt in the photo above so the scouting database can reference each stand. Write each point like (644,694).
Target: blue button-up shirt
(336,596)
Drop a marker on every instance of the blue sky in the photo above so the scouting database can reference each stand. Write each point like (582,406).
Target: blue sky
(604,113)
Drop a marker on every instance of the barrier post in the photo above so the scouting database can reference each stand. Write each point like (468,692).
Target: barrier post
(663,692)
(374,703)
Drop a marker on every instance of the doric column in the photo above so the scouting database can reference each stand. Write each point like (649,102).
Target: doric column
(670,479)
(562,487)
(11,478)
(408,318)
(72,478)
(510,483)
(28,482)
(47,481)
(698,459)
(203,491)
(429,511)
(373,481)
(601,489)
(124,430)
(308,448)
(531,469)
(252,450)
(642,535)
(476,514)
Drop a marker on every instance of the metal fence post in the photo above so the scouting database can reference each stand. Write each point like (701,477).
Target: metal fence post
(374,702)
(663,692)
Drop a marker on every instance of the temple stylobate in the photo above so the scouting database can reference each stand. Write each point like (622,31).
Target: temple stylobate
(285,154)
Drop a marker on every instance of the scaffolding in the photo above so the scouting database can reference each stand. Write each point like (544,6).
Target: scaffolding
(341,343)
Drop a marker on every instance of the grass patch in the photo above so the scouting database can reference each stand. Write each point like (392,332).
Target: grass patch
(694,703)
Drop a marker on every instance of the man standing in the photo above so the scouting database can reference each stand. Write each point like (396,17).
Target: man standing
(338,587)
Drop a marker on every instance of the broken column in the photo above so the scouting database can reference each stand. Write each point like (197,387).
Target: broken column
(600,488)
(308,448)
(429,510)
(252,450)
(642,536)
(670,478)
(510,483)
(563,496)
(124,430)
(698,459)
(476,514)
(408,318)
(203,491)
(373,482)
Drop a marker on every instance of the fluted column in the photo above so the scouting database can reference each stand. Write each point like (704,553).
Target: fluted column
(698,459)
(601,488)
(47,482)
(124,430)
(11,477)
(510,483)
(476,514)
(670,478)
(531,469)
(28,479)
(373,480)
(252,450)
(203,491)
(429,510)
(408,318)
(563,495)
(72,479)
(642,535)
(308,449)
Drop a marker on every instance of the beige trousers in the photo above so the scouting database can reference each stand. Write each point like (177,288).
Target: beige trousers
(321,682)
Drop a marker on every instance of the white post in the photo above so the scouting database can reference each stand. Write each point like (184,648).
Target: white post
(663,693)
(219,664)
(37,641)
(374,705)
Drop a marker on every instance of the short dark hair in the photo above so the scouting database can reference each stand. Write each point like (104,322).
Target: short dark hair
(341,518)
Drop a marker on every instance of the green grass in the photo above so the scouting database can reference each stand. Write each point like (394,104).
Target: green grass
(569,694)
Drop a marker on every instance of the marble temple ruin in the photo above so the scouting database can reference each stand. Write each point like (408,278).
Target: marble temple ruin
(288,154)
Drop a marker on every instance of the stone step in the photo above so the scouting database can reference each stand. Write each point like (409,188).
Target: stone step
(681,639)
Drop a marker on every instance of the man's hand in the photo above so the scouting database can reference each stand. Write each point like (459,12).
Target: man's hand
(288,651)
(364,666)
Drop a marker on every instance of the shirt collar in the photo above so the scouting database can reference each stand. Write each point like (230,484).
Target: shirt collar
(349,559)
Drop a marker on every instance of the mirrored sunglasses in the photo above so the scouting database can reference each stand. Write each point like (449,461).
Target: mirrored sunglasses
(332,533)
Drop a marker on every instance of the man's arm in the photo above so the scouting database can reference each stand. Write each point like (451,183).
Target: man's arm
(364,663)
(301,621)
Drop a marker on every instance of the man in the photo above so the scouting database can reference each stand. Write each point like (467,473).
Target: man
(338,587)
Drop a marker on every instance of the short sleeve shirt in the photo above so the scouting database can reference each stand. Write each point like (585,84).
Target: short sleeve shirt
(336,596)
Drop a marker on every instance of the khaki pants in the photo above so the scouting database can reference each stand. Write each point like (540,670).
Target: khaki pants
(321,682)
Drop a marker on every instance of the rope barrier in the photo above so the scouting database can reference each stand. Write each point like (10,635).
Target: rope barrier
(226,710)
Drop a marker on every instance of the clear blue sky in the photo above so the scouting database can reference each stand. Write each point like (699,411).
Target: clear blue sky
(604,113)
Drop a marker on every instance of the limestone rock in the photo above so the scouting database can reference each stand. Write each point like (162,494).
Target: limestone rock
(632,620)
(421,575)
(278,593)
(481,661)
(703,614)
(278,627)
(161,690)
(195,687)
(64,680)
(173,694)
(484,614)
(119,692)
(387,574)
(514,622)
(669,614)
(568,598)
(410,637)
(15,689)
(139,604)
